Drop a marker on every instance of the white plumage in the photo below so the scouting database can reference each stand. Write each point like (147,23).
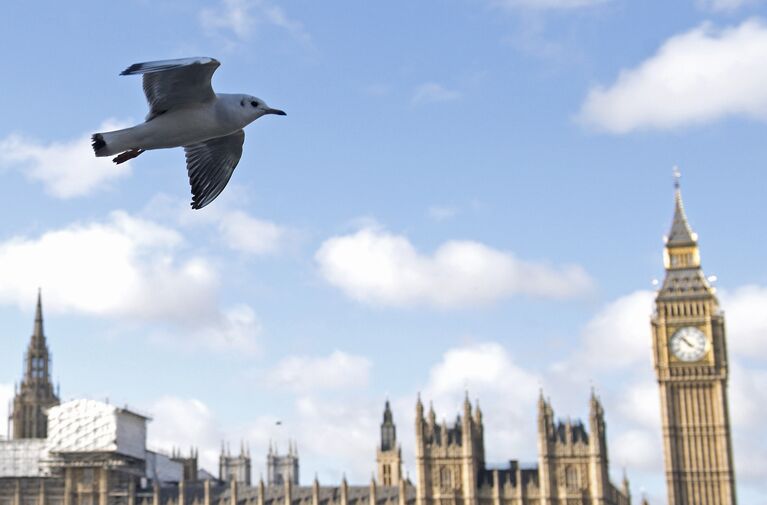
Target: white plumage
(184,111)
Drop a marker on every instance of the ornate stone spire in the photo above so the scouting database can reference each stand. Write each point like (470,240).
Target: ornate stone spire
(35,393)
(38,336)
(680,234)
(681,256)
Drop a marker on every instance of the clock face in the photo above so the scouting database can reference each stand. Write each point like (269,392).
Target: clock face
(688,344)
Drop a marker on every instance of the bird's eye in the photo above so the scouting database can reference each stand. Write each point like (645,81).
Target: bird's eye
(254,104)
(242,103)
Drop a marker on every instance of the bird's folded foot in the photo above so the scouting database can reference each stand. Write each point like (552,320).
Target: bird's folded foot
(127,155)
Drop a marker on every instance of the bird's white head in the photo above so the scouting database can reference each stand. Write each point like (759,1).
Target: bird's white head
(253,108)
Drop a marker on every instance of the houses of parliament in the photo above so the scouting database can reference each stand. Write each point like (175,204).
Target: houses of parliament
(85,452)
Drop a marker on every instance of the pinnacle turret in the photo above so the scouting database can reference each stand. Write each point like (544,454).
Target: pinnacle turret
(388,430)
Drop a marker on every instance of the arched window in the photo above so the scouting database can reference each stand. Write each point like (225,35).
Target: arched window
(572,480)
(445,478)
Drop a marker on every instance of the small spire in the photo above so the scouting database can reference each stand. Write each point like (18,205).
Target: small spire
(387,415)
(680,233)
(467,404)
(625,483)
(37,333)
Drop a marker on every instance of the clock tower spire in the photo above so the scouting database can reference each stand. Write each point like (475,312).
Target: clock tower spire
(690,356)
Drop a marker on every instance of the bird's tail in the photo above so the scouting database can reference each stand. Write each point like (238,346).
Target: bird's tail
(99,144)
(114,142)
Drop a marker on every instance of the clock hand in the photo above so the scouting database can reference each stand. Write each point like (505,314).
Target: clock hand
(684,339)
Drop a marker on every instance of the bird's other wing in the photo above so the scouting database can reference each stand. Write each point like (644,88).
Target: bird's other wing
(173,83)
(210,165)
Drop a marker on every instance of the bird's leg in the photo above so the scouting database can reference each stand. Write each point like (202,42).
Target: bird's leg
(127,155)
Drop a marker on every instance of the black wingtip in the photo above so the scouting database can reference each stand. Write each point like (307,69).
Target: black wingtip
(98,143)
(131,69)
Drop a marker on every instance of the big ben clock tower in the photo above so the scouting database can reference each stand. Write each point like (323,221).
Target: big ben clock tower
(690,355)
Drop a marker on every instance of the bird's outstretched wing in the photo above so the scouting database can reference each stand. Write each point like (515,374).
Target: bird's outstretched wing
(173,83)
(210,165)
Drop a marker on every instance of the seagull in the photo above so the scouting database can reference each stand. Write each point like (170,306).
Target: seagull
(184,111)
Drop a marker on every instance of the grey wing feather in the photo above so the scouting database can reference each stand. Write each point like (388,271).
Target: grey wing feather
(211,164)
(174,83)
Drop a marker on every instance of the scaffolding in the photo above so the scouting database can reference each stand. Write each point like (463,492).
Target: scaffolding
(24,458)
(88,426)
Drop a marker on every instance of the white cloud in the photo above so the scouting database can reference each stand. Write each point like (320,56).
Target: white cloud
(695,77)
(66,169)
(241,18)
(725,5)
(6,395)
(183,423)
(338,370)
(432,92)
(638,449)
(547,4)
(619,334)
(441,212)
(126,268)
(237,229)
(339,436)
(747,320)
(378,267)
(248,234)
(233,328)
(277,16)
(508,393)
(640,402)
(232,15)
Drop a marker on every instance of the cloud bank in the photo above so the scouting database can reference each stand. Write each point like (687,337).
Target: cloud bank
(66,169)
(125,268)
(381,268)
(696,77)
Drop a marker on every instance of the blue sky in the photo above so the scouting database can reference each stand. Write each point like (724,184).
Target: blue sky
(465,193)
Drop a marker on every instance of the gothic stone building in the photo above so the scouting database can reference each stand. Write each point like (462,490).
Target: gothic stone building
(91,453)
(85,452)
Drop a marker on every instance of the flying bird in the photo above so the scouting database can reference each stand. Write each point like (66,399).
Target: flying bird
(184,111)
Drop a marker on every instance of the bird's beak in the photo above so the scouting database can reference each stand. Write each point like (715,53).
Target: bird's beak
(278,112)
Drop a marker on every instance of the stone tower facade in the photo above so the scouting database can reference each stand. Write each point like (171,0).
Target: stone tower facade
(690,356)
(281,469)
(449,458)
(234,468)
(189,462)
(389,453)
(36,392)
(573,464)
